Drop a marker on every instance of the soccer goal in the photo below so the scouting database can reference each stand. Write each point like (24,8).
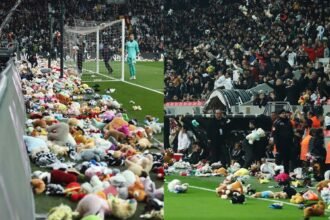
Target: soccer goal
(96,50)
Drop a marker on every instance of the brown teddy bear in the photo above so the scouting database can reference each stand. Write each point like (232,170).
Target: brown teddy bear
(315,210)
(137,190)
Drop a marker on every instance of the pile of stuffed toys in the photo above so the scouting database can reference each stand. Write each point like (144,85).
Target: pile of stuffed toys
(296,187)
(88,149)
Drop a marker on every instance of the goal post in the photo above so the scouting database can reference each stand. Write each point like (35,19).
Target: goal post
(97,50)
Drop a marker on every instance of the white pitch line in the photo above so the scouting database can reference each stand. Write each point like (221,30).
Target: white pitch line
(264,199)
(133,84)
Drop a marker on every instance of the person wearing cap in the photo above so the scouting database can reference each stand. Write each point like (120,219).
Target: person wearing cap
(283,140)
(217,133)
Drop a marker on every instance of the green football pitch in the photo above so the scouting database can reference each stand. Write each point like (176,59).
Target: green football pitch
(146,91)
(201,202)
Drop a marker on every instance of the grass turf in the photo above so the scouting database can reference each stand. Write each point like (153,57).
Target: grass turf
(149,74)
(201,204)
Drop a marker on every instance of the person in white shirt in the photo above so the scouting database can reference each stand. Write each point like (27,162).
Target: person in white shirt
(183,141)
(220,80)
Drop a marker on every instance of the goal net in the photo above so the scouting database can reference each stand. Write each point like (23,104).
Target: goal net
(96,50)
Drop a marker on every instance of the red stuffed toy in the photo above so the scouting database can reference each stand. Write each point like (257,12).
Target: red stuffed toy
(73,191)
(61,177)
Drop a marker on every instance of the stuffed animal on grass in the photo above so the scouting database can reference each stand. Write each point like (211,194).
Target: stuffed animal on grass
(315,210)
(310,196)
(255,135)
(95,185)
(91,154)
(137,190)
(140,165)
(93,204)
(61,177)
(62,212)
(226,190)
(325,195)
(122,181)
(270,194)
(322,184)
(59,133)
(297,199)
(151,190)
(154,214)
(237,198)
(175,186)
(38,186)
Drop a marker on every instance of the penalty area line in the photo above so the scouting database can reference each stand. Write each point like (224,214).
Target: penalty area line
(133,84)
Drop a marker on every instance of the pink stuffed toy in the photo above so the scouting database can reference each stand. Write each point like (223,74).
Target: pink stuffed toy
(282,178)
(124,129)
(108,115)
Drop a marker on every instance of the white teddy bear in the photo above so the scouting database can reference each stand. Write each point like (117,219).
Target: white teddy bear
(255,135)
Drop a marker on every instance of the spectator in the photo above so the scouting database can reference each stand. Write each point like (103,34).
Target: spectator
(183,141)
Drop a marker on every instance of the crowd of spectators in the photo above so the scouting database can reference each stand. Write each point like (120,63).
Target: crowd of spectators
(239,44)
(30,24)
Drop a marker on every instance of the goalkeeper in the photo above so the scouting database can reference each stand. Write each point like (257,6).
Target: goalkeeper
(133,51)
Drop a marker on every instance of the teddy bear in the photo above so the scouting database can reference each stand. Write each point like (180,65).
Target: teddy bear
(59,133)
(92,204)
(35,145)
(255,135)
(91,154)
(310,196)
(38,186)
(121,184)
(325,195)
(62,177)
(144,143)
(137,190)
(117,135)
(322,184)
(270,194)
(139,165)
(62,212)
(237,198)
(58,150)
(175,186)
(225,190)
(315,210)
(168,156)
(297,199)
(95,185)
(151,190)
(220,172)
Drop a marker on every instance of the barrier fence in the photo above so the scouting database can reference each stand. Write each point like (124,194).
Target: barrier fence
(16,197)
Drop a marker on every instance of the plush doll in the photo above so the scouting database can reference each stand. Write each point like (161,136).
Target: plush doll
(99,171)
(175,186)
(325,195)
(117,135)
(151,190)
(234,167)
(270,194)
(40,123)
(38,186)
(54,190)
(139,165)
(59,133)
(315,210)
(297,199)
(61,177)
(168,156)
(95,185)
(122,181)
(92,217)
(310,196)
(289,191)
(91,154)
(137,190)
(58,150)
(242,172)
(93,204)
(144,143)
(62,212)
(34,144)
(282,178)
(322,184)
(154,214)
(237,198)
(255,135)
